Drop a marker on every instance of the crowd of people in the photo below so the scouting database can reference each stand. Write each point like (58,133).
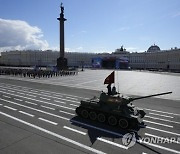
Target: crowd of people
(31,73)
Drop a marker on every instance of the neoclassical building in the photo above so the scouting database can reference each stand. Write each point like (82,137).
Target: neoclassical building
(152,59)
(44,58)
(155,58)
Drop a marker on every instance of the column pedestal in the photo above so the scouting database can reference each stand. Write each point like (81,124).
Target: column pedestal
(62,63)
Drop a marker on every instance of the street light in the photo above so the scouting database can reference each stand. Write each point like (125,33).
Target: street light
(82,63)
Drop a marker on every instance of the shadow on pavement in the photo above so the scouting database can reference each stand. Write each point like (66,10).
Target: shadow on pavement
(95,129)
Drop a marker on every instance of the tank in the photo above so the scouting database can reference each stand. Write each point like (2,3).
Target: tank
(115,110)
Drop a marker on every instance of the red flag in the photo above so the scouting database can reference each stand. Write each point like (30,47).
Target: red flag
(109,79)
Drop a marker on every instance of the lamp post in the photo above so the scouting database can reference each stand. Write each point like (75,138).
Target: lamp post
(82,63)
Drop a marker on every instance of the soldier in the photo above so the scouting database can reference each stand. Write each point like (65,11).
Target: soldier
(109,89)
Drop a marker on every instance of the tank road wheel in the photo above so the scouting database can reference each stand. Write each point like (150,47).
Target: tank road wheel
(92,115)
(123,123)
(84,113)
(112,120)
(101,117)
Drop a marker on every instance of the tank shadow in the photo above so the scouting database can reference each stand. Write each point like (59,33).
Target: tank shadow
(97,130)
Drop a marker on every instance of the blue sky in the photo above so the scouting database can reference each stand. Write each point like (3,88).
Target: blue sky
(92,25)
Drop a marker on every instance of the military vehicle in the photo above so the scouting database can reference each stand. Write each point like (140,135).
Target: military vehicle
(115,110)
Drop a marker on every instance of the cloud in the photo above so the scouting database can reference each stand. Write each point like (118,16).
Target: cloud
(19,35)
(78,49)
(134,49)
(54,48)
(101,50)
(131,48)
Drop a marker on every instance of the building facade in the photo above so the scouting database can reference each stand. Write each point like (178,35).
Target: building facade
(44,58)
(153,59)
(157,60)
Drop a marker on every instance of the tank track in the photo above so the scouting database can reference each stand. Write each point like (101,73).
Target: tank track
(107,118)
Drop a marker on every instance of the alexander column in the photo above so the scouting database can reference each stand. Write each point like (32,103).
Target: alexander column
(61,61)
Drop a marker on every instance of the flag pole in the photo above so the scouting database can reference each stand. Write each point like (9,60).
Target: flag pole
(115,78)
(117,82)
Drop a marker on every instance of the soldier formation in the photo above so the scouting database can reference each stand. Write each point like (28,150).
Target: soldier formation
(36,73)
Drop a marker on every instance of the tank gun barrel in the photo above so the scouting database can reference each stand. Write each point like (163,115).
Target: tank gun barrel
(136,98)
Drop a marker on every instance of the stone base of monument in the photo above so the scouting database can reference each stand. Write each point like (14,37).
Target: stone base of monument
(62,63)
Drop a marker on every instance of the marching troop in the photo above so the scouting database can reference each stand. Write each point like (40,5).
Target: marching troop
(36,73)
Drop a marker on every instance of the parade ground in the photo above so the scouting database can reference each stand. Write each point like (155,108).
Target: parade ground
(37,115)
